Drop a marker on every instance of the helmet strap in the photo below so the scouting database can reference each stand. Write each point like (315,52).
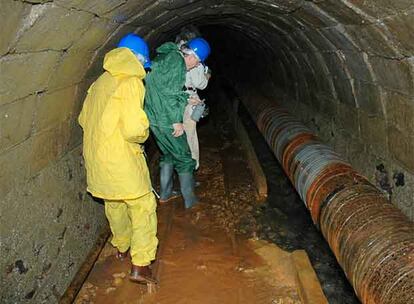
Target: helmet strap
(140,58)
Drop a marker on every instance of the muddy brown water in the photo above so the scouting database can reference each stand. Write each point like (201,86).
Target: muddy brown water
(205,257)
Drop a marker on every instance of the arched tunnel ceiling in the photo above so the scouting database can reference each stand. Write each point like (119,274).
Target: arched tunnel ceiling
(354,52)
(330,27)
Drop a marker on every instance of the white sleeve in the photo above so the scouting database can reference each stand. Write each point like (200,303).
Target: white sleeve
(196,78)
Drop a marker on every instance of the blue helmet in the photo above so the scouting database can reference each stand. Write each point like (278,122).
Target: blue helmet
(138,46)
(200,47)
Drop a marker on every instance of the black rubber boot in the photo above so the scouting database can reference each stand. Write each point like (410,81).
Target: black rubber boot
(187,189)
(166,181)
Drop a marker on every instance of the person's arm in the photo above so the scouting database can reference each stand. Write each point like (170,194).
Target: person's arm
(198,77)
(85,109)
(170,79)
(82,115)
(176,109)
(133,121)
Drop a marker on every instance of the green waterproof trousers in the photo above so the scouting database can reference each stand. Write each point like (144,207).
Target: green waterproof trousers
(174,150)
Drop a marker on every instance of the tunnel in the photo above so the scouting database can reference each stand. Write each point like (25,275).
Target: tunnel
(344,68)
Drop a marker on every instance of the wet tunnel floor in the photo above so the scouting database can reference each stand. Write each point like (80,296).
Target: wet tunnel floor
(206,254)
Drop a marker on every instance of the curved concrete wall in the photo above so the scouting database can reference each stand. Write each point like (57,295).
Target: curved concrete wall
(345,67)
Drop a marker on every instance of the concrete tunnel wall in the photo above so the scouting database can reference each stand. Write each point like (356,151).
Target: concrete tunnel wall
(345,67)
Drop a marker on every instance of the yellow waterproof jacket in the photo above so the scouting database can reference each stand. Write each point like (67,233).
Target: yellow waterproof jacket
(114,125)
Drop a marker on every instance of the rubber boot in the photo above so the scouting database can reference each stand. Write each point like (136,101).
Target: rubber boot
(166,182)
(142,275)
(187,189)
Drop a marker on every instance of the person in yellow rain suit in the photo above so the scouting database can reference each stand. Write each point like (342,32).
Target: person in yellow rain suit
(114,126)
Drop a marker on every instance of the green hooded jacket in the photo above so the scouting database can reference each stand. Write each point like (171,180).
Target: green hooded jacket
(165,98)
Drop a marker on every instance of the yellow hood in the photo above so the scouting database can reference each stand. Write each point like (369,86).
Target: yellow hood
(121,61)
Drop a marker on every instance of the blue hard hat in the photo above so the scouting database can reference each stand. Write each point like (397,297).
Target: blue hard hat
(200,47)
(138,46)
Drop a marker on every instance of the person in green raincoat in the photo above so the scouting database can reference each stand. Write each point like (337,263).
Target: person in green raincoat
(115,126)
(165,102)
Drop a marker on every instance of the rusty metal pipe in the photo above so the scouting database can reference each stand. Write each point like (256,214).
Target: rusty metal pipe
(371,239)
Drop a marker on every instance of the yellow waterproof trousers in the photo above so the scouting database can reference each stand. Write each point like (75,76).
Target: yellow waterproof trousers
(134,225)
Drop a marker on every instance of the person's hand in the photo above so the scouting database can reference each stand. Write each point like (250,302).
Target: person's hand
(194,101)
(178,129)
